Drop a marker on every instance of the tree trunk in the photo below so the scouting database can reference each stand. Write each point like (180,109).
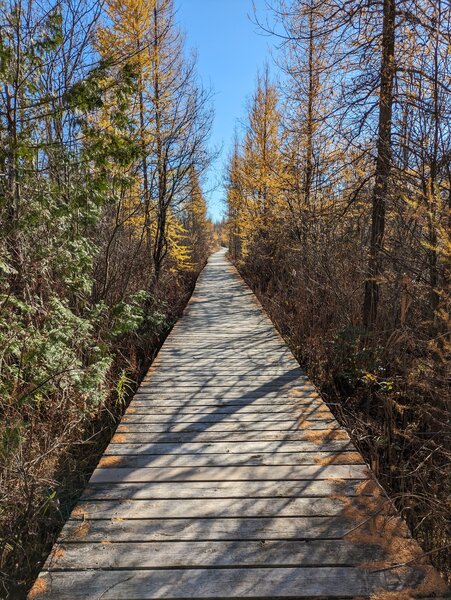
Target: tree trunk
(383,166)
(160,234)
(309,125)
(433,177)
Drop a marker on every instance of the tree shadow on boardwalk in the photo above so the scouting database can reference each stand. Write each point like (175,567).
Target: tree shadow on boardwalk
(240,526)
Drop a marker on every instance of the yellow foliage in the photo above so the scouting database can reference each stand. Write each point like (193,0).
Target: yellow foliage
(256,173)
(179,253)
(126,36)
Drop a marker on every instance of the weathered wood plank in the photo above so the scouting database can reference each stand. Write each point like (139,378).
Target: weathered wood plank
(155,407)
(180,400)
(246,473)
(181,370)
(243,389)
(222,380)
(230,374)
(133,460)
(145,426)
(229,392)
(214,362)
(237,389)
(290,582)
(147,530)
(122,444)
(143,415)
(151,555)
(240,437)
(213,508)
(228,489)
(229,349)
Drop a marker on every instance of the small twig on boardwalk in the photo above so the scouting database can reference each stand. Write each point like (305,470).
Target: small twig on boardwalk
(114,585)
(371,516)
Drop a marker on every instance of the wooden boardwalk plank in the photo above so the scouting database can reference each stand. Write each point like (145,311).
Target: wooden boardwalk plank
(196,508)
(147,415)
(141,437)
(305,582)
(146,425)
(228,477)
(246,473)
(244,528)
(226,489)
(154,555)
(133,460)
(229,447)
(143,407)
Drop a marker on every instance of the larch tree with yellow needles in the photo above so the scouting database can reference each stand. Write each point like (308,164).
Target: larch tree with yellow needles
(255,174)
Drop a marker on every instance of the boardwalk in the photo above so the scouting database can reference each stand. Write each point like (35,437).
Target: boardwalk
(229,477)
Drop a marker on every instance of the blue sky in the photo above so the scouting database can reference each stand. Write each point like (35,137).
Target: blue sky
(230,51)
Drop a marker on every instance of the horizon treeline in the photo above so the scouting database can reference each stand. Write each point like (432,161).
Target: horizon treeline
(339,198)
(103,133)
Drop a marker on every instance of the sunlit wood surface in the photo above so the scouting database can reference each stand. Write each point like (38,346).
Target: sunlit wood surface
(229,476)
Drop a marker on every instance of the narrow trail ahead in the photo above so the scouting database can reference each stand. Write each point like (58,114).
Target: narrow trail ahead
(229,477)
